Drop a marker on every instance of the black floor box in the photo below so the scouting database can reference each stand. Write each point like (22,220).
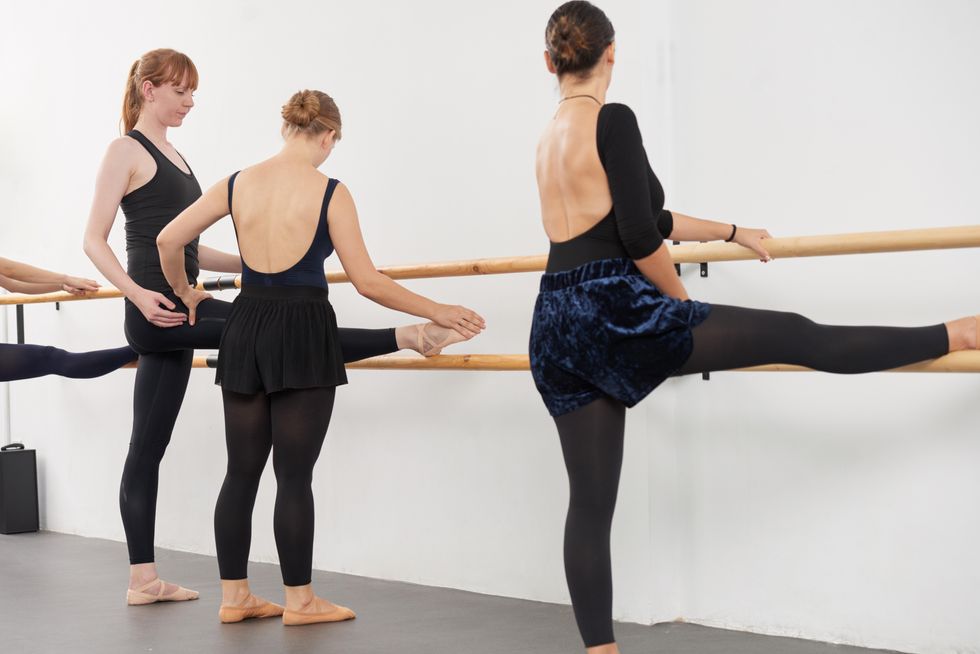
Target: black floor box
(18,489)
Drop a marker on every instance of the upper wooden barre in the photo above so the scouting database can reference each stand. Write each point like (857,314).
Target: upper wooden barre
(968,361)
(934,238)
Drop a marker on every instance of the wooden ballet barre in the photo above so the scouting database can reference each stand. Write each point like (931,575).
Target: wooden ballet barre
(935,238)
(968,361)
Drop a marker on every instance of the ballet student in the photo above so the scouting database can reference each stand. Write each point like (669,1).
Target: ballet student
(23,361)
(144,174)
(280,359)
(613,320)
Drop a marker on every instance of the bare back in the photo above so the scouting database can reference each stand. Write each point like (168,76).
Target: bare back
(572,183)
(276,208)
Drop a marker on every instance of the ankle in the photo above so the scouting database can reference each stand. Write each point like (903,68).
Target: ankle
(235,592)
(963,334)
(406,337)
(299,598)
(141,574)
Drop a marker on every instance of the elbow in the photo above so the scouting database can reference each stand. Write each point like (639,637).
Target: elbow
(92,242)
(164,242)
(367,288)
(88,246)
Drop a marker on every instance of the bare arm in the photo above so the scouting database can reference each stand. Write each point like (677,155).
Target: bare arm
(687,228)
(188,225)
(658,267)
(23,278)
(218,261)
(22,272)
(345,232)
(31,288)
(110,186)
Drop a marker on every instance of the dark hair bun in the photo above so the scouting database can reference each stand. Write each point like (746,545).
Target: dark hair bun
(568,41)
(577,34)
(302,109)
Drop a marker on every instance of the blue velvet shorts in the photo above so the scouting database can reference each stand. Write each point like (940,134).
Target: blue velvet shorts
(603,329)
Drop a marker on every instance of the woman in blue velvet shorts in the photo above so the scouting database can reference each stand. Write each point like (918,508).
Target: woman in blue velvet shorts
(613,320)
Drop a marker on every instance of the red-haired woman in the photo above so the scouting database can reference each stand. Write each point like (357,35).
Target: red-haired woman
(144,174)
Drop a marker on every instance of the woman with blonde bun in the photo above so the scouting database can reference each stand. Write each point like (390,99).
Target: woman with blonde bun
(280,359)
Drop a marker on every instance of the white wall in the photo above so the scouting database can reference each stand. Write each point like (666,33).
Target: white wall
(840,509)
(810,505)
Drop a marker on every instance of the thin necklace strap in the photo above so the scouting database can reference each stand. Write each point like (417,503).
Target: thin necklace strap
(581,95)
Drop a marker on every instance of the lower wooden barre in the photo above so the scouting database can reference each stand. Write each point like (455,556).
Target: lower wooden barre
(955,362)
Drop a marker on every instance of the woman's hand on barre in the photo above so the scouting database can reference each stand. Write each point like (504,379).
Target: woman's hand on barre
(465,321)
(79,285)
(752,239)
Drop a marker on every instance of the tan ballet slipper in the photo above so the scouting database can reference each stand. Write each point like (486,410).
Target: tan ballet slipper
(140,596)
(429,346)
(264,609)
(337,614)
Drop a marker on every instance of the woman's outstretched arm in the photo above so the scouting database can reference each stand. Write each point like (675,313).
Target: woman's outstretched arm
(345,232)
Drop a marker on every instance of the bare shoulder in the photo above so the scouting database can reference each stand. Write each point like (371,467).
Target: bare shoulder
(342,196)
(123,150)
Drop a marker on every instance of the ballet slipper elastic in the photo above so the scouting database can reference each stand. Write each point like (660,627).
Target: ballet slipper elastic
(336,614)
(432,350)
(238,613)
(140,596)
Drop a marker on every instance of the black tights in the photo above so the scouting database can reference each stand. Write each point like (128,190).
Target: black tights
(18,361)
(292,424)
(731,337)
(164,368)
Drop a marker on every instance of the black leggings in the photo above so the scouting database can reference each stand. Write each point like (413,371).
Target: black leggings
(18,361)
(292,424)
(731,337)
(166,354)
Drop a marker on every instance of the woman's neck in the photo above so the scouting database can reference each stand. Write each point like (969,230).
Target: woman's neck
(592,87)
(151,129)
(298,150)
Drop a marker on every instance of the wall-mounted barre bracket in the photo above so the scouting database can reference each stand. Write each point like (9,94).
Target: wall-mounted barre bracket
(20,324)
(706,376)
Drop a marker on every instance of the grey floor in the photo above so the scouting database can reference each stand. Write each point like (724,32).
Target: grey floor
(61,593)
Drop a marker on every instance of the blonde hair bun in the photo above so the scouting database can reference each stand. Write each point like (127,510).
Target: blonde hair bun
(301,109)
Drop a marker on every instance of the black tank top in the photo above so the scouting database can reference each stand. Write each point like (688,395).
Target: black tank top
(148,210)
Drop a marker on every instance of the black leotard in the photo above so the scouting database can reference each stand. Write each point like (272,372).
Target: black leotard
(637,223)
(601,346)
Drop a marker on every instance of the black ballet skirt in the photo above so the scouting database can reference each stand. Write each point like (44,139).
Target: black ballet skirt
(278,338)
